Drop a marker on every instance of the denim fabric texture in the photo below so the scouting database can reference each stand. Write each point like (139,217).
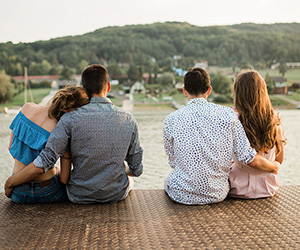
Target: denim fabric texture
(31,192)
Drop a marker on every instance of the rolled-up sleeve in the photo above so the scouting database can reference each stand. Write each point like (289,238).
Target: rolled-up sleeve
(135,154)
(55,147)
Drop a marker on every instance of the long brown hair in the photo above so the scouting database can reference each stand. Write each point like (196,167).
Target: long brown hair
(255,111)
(66,100)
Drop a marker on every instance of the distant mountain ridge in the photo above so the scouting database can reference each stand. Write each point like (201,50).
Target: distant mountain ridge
(143,45)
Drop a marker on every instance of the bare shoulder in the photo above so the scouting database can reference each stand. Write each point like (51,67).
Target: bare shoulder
(39,115)
(27,107)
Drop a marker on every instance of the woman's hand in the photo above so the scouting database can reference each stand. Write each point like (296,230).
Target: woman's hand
(8,188)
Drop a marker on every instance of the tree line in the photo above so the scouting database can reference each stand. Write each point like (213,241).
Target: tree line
(134,49)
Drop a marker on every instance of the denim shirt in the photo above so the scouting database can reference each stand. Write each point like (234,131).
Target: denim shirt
(100,137)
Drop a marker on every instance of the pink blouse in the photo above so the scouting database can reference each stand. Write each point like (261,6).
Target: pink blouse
(250,183)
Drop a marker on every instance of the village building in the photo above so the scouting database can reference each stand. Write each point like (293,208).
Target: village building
(294,87)
(131,87)
(280,86)
(202,64)
(289,65)
(55,80)
(179,87)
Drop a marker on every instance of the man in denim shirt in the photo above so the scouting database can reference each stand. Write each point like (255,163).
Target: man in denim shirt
(100,137)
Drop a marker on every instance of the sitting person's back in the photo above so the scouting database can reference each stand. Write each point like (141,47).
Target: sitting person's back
(30,131)
(265,133)
(101,136)
(199,141)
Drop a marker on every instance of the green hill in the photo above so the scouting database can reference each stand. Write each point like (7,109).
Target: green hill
(156,44)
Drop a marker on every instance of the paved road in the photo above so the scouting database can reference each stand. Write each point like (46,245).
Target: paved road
(46,99)
(282,97)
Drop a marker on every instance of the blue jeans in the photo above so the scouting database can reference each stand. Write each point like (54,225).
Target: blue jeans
(40,192)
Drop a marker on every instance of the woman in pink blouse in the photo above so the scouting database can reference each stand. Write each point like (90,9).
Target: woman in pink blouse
(265,133)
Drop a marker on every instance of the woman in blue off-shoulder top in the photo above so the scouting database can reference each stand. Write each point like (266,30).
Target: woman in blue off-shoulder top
(30,131)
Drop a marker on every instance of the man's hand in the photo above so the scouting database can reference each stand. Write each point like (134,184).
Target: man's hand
(276,167)
(27,174)
(8,188)
(263,164)
(127,169)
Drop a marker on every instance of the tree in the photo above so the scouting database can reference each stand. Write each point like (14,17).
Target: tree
(115,71)
(221,83)
(82,65)
(139,44)
(19,69)
(270,83)
(282,68)
(45,67)
(55,70)
(167,79)
(135,73)
(67,72)
(155,71)
(126,58)
(167,64)
(6,87)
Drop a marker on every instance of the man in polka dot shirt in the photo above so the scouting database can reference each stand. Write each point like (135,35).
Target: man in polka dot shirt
(200,141)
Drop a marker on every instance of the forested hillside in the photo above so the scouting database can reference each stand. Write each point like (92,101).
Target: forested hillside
(154,46)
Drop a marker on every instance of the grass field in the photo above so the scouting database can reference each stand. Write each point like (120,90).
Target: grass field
(18,100)
(294,96)
(291,75)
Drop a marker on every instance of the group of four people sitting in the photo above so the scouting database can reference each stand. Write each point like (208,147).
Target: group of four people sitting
(215,151)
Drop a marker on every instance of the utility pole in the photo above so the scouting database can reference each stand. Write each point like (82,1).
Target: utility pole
(25,84)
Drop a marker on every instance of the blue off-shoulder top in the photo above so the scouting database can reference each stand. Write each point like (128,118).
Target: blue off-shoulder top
(29,139)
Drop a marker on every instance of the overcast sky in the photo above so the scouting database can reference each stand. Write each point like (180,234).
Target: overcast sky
(32,20)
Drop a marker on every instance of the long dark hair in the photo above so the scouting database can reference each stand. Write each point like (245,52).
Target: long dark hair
(256,112)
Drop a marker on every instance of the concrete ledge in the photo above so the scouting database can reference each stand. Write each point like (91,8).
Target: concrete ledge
(148,219)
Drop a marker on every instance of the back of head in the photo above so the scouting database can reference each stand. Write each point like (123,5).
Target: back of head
(94,78)
(66,100)
(255,110)
(196,81)
(251,94)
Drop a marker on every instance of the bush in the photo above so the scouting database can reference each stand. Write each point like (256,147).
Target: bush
(221,83)
(38,85)
(223,99)
(6,87)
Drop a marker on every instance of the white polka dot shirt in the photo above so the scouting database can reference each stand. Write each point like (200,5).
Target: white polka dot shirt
(200,141)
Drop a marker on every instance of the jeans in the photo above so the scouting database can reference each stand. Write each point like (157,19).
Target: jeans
(38,192)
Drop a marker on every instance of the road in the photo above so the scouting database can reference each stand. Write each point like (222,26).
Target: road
(283,97)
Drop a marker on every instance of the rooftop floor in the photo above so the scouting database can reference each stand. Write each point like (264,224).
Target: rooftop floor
(148,219)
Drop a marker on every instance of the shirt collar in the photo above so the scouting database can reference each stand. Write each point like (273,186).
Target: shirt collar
(196,101)
(100,100)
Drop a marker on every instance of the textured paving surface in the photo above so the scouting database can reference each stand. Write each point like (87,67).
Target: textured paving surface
(147,219)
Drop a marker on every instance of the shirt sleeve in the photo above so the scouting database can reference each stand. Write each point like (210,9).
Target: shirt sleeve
(242,150)
(135,154)
(169,142)
(55,147)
